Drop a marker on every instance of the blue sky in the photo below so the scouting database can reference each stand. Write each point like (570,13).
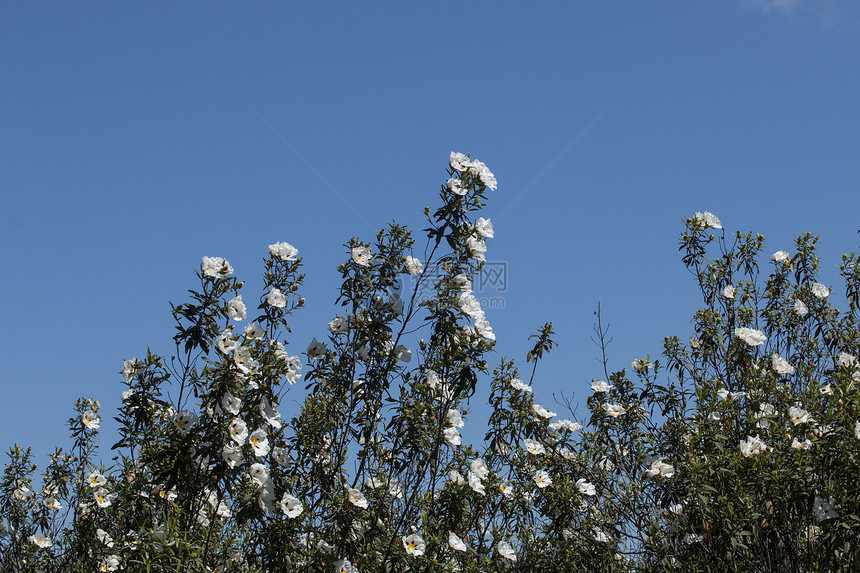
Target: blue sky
(137,138)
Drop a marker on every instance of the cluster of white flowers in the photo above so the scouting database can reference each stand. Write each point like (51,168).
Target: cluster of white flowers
(708,220)
(413,265)
(471,307)
(283,251)
(452,432)
(216,267)
(752,446)
(461,162)
(478,472)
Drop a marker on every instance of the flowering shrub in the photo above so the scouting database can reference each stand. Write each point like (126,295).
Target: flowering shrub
(740,451)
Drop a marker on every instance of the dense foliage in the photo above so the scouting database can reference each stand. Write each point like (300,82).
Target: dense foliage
(736,451)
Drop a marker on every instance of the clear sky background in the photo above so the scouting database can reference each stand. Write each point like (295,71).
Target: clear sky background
(136,138)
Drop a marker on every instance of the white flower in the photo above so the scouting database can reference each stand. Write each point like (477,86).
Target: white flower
(452,436)
(641,365)
(800,308)
(185,420)
(765,412)
(750,336)
(781,365)
(103,497)
(95,479)
(476,484)
(280,456)
(39,540)
(752,446)
(479,468)
(254,330)
(51,503)
(542,479)
(276,298)
(338,324)
(414,544)
(459,161)
(109,563)
(586,488)
(708,220)
(599,535)
(470,305)
(402,353)
(518,384)
(566,425)
(344,566)
(362,255)
(600,386)
(729,291)
(779,257)
(91,420)
(130,368)
(455,542)
(660,468)
(284,251)
(823,509)
(316,348)
(615,410)
(294,368)
(225,341)
(820,291)
(542,412)
(259,474)
(230,403)
(259,442)
(232,455)
(506,487)
(505,550)
(236,308)
(857,430)
(270,413)
(533,447)
(291,506)
(477,248)
(456,186)
(486,176)
(215,267)
(799,416)
(484,329)
(484,227)
(356,498)
(104,538)
(238,431)
(456,477)
(413,265)
(455,418)
(804,445)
